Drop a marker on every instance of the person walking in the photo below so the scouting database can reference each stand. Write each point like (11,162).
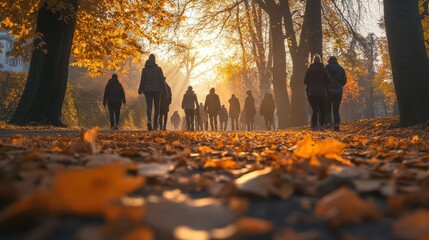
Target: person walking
(164,108)
(267,110)
(212,107)
(223,117)
(234,111)
(317,80)
(152,84)
(250,111)
(190,105)
(203,123)
(175,120)
(114,97)
(337,80)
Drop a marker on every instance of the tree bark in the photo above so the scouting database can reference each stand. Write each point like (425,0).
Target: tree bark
(315,27)
(299,54)
(279,69)
(43,96)
(410,64)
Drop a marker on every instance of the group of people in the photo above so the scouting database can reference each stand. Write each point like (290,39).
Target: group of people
(324,91)
(198,116)
(157,93)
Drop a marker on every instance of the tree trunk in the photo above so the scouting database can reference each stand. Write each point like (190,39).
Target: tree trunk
(315,27)
(43,97)
(410,65)
(279,69)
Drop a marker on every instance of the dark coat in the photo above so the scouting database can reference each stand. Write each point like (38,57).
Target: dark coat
(223,115)
(317,80)
(175,118)
(337,78)
(249,106)
(152,78)
(190,100)
(212,104)
(114,92)
(166,100)
(267,106)
(234,107)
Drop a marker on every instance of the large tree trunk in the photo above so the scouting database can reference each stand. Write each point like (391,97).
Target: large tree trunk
(279,69)
(43,97)
(299,54)
(410,65)
(315,27)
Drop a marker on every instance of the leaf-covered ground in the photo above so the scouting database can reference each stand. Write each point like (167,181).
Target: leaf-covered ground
(370,181)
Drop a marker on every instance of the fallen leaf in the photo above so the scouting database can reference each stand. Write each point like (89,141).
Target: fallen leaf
(413,226)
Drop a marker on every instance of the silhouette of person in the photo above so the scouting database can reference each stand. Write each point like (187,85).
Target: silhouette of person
(250,111)
(267,110)
(175,120)
(317,80)
(152,84)
(190,105)
(203,121)
(234,111)
(114,97)
(212,107)
(337,80)
(165,108)
(223,117)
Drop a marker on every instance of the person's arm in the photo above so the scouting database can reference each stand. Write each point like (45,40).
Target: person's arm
(105,97)
(196,103)
(163,85)
(307,77)
(183,102)
(205,104)
(142,82)
(344,78)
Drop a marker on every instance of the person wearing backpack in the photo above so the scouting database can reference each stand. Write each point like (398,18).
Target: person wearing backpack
(152,85)
(165,108)
(337,80)
(190,105)
(114,97)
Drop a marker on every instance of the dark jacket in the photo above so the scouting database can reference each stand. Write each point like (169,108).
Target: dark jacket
(267,106)
(152,79)
(212,104)
(166,100)
(234,107)
(114,92)
(337,78)
(249,106)
(223,115)
(190,100)
(317,80)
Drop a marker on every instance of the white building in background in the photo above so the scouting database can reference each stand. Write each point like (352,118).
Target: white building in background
(9,63)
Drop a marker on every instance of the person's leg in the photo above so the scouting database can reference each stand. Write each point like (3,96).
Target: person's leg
(111,115)
(118,115)
(215,121)
(314,108)
(336,109)
(165,121)
(211,121)
(328,115)
(149,101)
(188,119)
(192,120)
(156,98)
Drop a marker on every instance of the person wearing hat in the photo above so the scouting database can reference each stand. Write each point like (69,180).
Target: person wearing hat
(152,85)
(114,97)
(250,110)
(212,107)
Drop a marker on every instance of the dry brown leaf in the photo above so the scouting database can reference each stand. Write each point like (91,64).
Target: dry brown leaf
(345,206)
(248,225)
(413,226)
(156,169)
(264,183)
(224,163)
(290,234)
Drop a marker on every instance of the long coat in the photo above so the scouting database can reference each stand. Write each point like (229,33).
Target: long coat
(152,78)
(317,80)
(249,106)
(212,104)
(234,107)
